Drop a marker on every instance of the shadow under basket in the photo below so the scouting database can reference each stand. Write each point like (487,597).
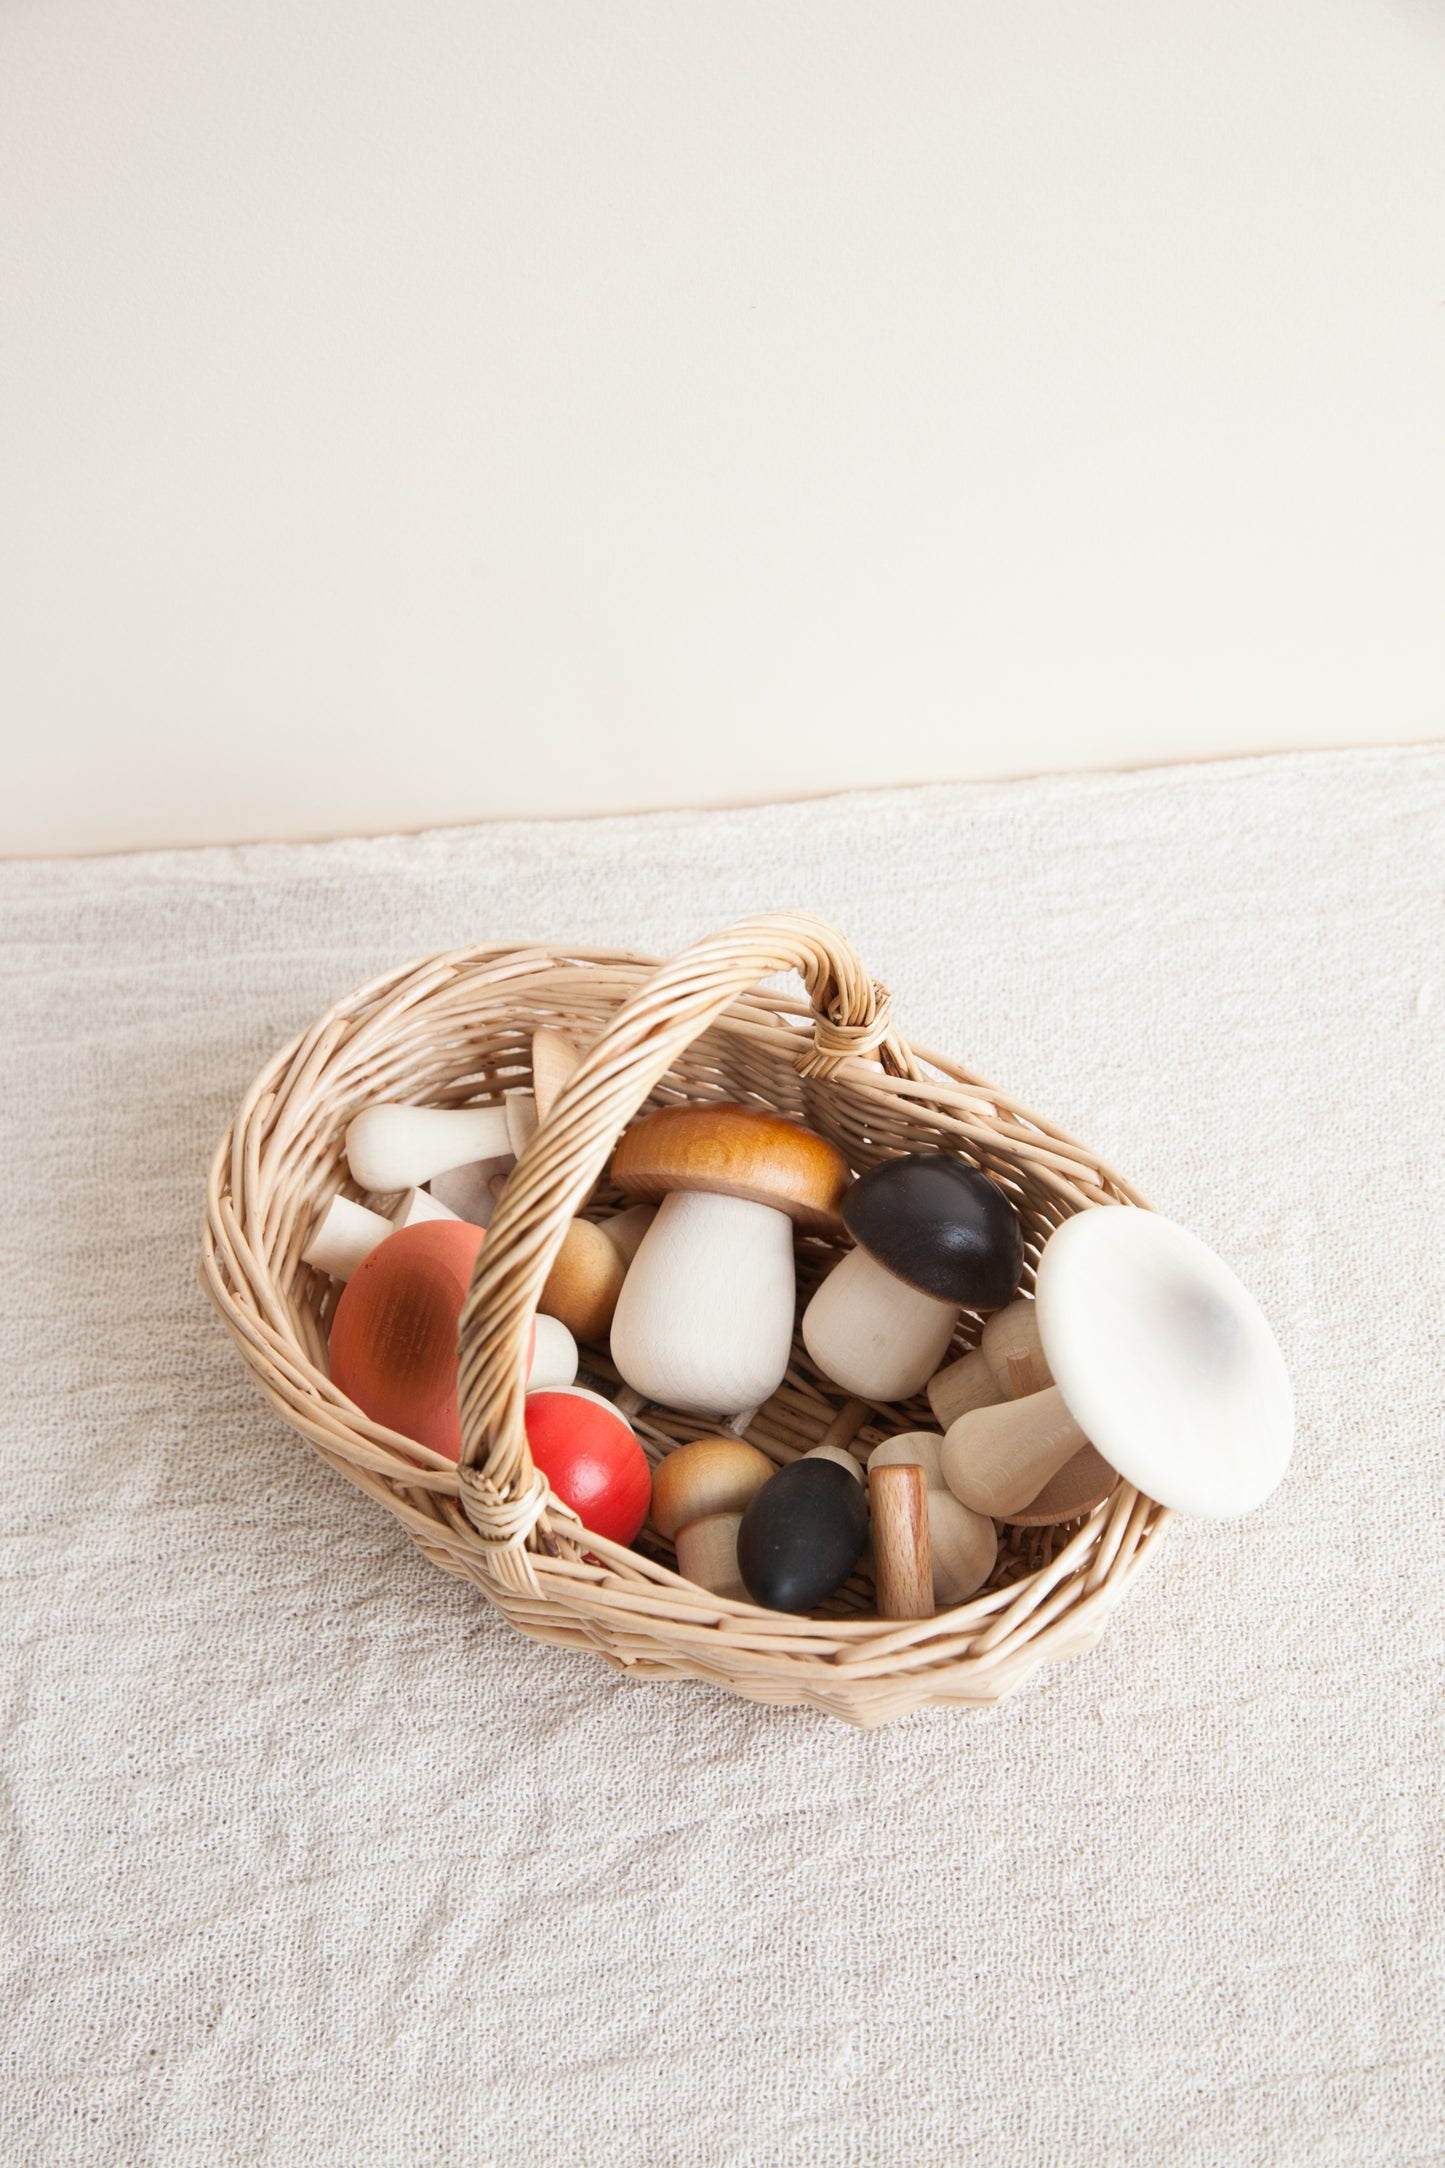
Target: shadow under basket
(455,1030)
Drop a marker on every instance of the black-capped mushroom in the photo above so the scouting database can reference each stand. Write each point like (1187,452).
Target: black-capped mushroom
(933,1236)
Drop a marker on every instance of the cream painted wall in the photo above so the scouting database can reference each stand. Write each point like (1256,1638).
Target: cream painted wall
(455,409)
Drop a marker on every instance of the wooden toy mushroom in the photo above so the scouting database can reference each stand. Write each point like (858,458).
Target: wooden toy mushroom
(1161,1359)
(419,1204)
(394,1147)
(966,1384)
(932,1235)
(587,1273)
(902,1546)
(699,1495)
(1011,1345)
(470,1192)
(704,1321)
(964,1545)
(347,1231)
(394,1335)
(1009,1363)
(802,1534)
(996,1459)
(589,1454)
(584,1283)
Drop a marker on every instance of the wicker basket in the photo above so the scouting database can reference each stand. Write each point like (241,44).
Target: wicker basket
(456,1030)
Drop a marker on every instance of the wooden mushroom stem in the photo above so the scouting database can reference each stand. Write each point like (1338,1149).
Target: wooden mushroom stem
(902,1544)
(964,1544)
(707,1553)
(966,1384)
(347,1232)
(392,1147)
(997,1459)
(1008,1362)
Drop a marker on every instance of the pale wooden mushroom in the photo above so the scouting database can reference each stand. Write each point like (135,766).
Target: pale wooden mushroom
(1008,1364)
(470,1192)
(1162,1360)
(394,1147)
(963,1544)
(347,1232)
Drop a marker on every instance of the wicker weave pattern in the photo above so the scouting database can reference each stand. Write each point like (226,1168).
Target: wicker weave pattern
(456,1029)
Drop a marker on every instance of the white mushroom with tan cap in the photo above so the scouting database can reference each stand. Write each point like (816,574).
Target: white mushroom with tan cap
(704,1320)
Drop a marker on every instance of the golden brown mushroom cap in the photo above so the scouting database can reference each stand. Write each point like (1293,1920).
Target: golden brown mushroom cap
(734,1152)
(712,1475)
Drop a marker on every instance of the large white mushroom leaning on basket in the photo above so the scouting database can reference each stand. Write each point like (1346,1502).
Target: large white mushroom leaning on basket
(704,1320)
(1161,1359)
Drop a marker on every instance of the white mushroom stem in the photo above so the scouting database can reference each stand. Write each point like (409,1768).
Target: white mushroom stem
(345,1234)
(394,1147)
(967,1384)
(872,1333)
(705,1318)
(995,1460)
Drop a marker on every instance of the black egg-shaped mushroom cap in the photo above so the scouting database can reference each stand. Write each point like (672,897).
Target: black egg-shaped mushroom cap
(941,1226)
(801,1535)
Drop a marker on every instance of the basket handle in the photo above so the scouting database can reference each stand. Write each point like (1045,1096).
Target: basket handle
(502,1494)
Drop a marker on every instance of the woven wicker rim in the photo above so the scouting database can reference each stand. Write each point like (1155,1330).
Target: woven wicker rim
(455,1029)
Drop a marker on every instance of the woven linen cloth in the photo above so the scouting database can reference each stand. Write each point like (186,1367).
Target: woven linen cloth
(310,1859)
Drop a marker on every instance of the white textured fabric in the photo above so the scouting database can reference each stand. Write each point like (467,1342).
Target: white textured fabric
(309,1859)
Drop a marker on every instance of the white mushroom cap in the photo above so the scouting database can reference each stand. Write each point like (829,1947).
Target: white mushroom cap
(1165,1361)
